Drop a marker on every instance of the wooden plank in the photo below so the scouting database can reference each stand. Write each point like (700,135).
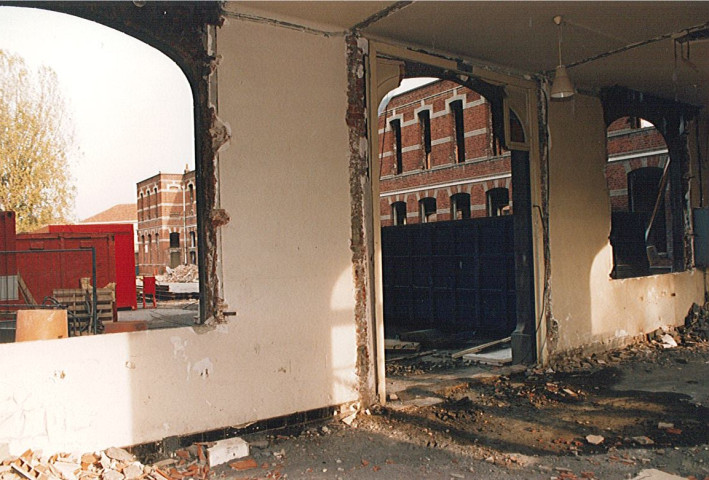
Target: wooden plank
(480,348)
(25,291)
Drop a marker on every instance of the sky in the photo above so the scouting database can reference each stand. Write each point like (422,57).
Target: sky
(131,105)
(406,85)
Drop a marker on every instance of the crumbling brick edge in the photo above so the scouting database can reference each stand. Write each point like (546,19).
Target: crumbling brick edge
(356,119)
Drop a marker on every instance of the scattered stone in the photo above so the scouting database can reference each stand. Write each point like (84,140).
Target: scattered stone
(119,454)
(653,474)
(594,439)
(133,471)
(393,397)
(349,419)
(226,450)
(246,464)
(165,463)
(642,440)
(668,341)
(112,475)
(663,425)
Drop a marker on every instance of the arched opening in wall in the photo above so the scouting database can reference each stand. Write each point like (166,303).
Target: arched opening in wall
(637,174)
(127,117)
(448,273)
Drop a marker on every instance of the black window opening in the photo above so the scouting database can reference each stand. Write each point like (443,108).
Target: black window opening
(646,197)
(425,122)
(460,206)
(498,200)
(174,240)
(642,217)
(427,210)
(398,213)
(396,128)
(457,109)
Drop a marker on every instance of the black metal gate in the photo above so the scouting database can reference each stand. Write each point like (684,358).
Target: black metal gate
(455,276)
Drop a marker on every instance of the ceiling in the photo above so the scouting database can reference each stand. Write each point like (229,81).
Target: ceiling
(522,37)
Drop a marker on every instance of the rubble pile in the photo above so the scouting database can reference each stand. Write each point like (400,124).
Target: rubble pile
(110,464)
(696,325)
(180,274)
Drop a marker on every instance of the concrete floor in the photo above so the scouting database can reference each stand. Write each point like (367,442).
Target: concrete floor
(168,314)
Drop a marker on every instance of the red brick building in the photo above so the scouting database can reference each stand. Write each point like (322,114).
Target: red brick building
(438,162)
(167,222)
(437,157)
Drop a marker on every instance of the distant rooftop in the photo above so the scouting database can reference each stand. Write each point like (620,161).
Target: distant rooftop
(121,213)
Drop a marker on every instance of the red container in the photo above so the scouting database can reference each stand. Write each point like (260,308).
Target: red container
(8,261)
(123,252)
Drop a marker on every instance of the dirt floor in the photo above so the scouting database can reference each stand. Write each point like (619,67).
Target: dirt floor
(611,416)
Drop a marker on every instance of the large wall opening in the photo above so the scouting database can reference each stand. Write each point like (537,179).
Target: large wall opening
(449,271)
(130,112)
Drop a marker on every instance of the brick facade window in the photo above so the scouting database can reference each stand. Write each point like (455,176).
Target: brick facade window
(174,240)
(497,200)
(427,210)
(155,195)
(396,128)
(398,213)
(457,109)
(460,206)
(190,187)
(425,123)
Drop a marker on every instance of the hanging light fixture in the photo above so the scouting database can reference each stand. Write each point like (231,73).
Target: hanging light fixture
(562,87)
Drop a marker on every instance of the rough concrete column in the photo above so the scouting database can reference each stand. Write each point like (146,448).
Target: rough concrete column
(360,197)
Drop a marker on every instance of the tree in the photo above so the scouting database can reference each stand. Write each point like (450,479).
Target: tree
(35,136)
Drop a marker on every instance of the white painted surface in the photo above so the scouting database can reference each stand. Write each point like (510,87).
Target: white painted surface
(284,180)
(590,306)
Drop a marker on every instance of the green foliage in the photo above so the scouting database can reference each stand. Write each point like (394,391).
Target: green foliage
(35,181)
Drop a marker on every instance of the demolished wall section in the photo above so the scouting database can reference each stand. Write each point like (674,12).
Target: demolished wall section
(588,306)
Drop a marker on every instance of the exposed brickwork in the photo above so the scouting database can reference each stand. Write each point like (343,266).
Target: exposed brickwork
(481,171)
(356,119)
(623,141)
(445,176)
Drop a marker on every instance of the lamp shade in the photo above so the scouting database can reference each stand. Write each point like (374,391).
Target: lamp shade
(562,87)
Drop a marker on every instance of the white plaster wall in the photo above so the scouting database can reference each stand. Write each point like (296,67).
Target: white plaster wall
(589,306)
(285,183)
(286,259)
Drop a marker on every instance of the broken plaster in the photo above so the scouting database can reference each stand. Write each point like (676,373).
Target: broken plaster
(219,131)
(359,181)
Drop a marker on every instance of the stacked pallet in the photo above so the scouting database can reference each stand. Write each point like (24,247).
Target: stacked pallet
(79,302)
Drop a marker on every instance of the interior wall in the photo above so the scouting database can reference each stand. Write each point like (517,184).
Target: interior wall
(588,306)
(285,183)
(286,258)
